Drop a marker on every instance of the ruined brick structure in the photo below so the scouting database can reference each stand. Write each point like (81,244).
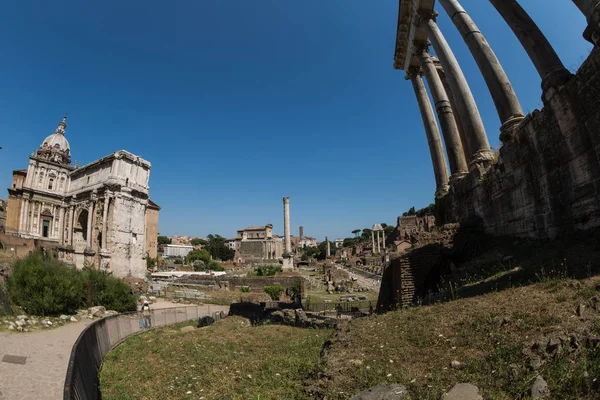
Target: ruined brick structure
(409,225)
(409,277)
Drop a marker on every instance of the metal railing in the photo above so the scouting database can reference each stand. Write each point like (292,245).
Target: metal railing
(102,335)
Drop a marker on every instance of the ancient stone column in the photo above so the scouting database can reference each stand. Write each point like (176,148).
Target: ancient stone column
(70,231)
(591,10)
(61,228)
(457,118)
(328,247)
(507,105)
(378,242)
(544,58)
(373,240)
(89,225)
(105,220)
(474,131)
(438,160)
(286,225)
(454,149)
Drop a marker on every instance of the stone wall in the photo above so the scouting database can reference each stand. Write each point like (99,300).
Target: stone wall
(409,277)
(546,180)
(256,283)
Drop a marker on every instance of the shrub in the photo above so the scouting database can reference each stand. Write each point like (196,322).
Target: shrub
(108,291)
(215,266)
(245,289)
(274,292)
(43,285)
(178,261)
(268,270)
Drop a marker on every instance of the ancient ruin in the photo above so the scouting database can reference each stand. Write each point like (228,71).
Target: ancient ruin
(98,215)
(544,180)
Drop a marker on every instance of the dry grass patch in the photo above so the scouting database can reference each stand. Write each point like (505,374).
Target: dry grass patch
(485,334)
(228,360)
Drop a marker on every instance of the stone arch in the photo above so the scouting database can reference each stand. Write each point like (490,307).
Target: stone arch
(82,222)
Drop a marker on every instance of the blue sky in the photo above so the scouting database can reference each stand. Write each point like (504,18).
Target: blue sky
(238,103)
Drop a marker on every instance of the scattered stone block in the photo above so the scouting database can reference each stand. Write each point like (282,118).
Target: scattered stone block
(97,311)
(539,388)
(463,391)
(383,392)
(187,329)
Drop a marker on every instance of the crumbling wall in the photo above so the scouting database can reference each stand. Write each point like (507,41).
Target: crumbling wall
(547,179)
(409,277)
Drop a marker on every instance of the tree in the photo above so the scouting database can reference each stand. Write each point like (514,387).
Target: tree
(409,213)
(356,232)
(162,240)
(218,249)
(198,242)
(200,255)
(387,230)
(350,242)
(366,235)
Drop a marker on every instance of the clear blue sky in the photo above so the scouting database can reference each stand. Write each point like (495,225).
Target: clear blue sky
(238,103)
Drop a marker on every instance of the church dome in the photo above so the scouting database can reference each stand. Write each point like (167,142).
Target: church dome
(56,147)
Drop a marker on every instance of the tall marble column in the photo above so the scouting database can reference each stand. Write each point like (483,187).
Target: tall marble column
(286,225)
(591,10)
(89,224)
(373,240)
(61,226)
(105,220)
(544,58)
(328,247)
(71,225)
(454,149)
(438,160)
(474,131)
(506,101)
(23,216)
(378,242)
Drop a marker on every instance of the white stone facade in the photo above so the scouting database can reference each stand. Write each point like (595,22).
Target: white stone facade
(93,215)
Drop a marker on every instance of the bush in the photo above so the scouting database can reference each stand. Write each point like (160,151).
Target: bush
(43,285)
(215,266)
(178,261)
(274,292)
(245,289)
(108,291)
(268,270)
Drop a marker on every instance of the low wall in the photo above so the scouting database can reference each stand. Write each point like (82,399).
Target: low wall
(16,246)
(546,181)
(408,277)
(256,283)
(102,335)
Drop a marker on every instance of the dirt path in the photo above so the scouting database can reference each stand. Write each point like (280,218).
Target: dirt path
(46,353)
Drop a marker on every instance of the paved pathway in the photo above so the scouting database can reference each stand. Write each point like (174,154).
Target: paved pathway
(47,351)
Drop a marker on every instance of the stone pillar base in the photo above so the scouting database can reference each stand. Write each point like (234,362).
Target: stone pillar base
(482,158)
(457,176)
(510,127)
(441,191)
(288,263)
(105,260)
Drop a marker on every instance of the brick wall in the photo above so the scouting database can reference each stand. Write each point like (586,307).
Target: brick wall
(546,181)
(408,277)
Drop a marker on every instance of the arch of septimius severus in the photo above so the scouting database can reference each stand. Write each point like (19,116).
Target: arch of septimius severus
(546,178)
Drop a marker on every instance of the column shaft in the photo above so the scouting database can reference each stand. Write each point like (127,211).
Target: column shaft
(373,240)
(61,226)
(507,105)
(286,225)
(472,124)
(71,223)
(89,225)
(544,58)
(105,221)
(456,155)
(461,132)
(438,160)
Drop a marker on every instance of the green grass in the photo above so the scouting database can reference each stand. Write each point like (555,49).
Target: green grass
(416,346)
(228,360)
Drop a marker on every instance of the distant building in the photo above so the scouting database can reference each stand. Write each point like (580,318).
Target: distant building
(308,241)
(256,244)
(99,214)
(339,243)
(231,243)
(176,250)
(2,215)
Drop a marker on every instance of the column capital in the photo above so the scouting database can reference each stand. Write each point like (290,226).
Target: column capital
(413,72)
(426,15)
(421,46)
